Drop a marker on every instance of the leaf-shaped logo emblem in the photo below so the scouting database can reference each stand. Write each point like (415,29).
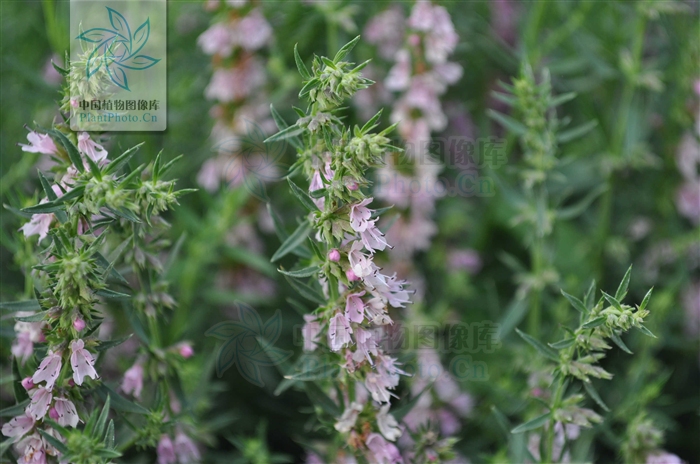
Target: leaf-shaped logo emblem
(117,49)
(249,344)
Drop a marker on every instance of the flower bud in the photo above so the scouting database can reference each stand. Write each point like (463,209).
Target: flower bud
(351,275)
(53,414)
(334,255)
(79,324)
(27,383)
(186,350)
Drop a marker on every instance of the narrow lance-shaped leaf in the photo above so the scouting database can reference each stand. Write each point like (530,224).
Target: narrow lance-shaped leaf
(624,284)
(293,241)
(539,346)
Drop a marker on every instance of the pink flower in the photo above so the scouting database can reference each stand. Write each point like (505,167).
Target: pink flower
(465,259)
(82,362)
(310,332)
(32,449)
(39,406)
(236,83)
(49,369)
(39,143)
(399,76)
(79,324)
(66,415)
(334,255)
(28,333)
(387,424)
(663,457)
(339,332)
(440,38)
(166,451)
(688,201)
(94,150)
(133,380)
(375,309)
(354,308)
(386,30)
(359,215)
(186,449)
(186,350)
(39,225)
(382,452)
(361,265)
(18,427)
(253,31)
(347,420)
(366,345)
(350,274)
(318,184)
(691,304)
(373,238)
(217,40)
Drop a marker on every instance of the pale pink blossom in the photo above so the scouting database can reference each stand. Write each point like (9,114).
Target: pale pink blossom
(32,449)
(253,32)
(440,36)
(378,387)
(347,420)
(39,143)
(27,383)
(354,308)
(233,84)
(360,215)
(82,362)
(209,176)
(66,412)
(18,427)
(217,40)
(166,451)
(186,350)
(39,224)
(387,423)
(90,148)
(386,30)
(663,457)
(350,274)
(22,347)
(688,201)
(310,332)
(133,380)
(466,259)
(186,449)
(339,331)
(382,451)
(372,238)
(48,370)
(39,406)
(361,265)
(51,76)
(691,305)
(375,309)
(366,345)
(399,76)
(79,324)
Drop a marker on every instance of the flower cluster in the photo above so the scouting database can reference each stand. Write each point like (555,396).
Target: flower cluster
(239,33)
(421,74)
(354,305)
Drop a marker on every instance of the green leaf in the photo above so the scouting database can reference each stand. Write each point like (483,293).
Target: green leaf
(51,195)
(56,443)
(346,49)
(369,124)
(402,409)
(122,159)
(594,323)
(16,306)
(305,74)
(319,398)
(43,208)
(622,289)
(576,132)
(102,420)
(533,424)
(539,346)
(646,331)
(613,301)
(109,435)
(563,98)
(105,345)
(618,341)
(315,372)
(282,124)
(111,294)
(589,299)
(4,446)
(575,210)
(514,314)
(306,291)
(118,402)
(594,394)
(646,299)
(15,410)
(71,149)
(509,123)
(299,273)
(561,344)
(20,393)
(33,318)
(297,238)
(302,196)
(291,131)
(575,302)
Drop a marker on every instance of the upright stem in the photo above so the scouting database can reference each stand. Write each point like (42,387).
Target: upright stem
(618,145)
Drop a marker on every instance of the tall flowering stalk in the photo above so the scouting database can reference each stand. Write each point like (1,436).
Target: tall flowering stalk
(98,215)
(235,39)
(353,307)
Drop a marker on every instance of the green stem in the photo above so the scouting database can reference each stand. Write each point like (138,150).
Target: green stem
(618,146)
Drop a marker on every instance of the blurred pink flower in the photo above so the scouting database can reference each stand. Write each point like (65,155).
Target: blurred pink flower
(166,451)
(253,32)
(688,201)
(39,143)
(133,380)
(217,40)
(386,30)
(186,449)
(467,260)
